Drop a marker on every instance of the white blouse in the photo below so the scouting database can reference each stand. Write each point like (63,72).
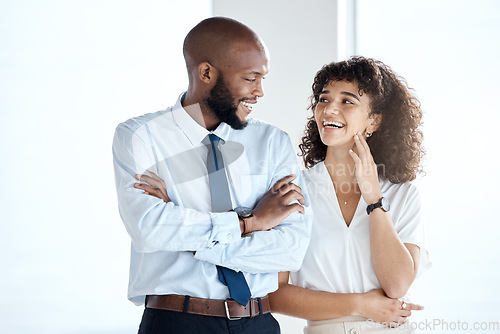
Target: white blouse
(338,258)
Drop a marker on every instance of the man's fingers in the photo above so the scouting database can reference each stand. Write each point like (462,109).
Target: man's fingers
(164,192)
(148,190)
(145,187)
(149,180)
(153,175)
(292,196)
(140,186)
(289,187)
(282,182)
(296,207)
(157,178)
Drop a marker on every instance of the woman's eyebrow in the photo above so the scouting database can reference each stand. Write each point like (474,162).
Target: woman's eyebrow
(345,93)
(350,94)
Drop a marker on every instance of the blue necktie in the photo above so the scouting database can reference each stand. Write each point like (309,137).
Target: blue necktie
(221,202)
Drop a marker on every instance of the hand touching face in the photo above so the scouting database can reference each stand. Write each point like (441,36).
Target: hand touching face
(342,112)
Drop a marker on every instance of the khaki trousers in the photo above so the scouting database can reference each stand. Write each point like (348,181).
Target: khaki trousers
(351,325)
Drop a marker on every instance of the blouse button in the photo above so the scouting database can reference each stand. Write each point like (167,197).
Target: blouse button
(353,331)
(229,236)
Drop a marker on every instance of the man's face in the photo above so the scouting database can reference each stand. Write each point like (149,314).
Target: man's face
(225,105)
(238,86)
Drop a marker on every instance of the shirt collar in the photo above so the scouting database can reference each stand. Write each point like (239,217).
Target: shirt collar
(194,131)
(223,131)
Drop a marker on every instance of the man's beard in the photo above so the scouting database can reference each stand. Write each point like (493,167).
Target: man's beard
(221,101)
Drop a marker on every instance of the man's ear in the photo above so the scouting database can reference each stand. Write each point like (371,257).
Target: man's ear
(206,72)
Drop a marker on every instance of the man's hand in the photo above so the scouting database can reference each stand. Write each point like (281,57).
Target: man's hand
(274,207)
(153,185)
(375,305)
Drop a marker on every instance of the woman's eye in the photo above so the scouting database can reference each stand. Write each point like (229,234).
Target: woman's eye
(322,99)
(348,102)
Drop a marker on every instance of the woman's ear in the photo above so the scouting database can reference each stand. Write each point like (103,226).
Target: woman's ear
(206,72)
(374,122)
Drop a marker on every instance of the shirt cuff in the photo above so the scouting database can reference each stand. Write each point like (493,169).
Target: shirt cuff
(225,227)
(213,255)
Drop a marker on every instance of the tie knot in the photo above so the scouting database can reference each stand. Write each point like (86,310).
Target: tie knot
(214,139)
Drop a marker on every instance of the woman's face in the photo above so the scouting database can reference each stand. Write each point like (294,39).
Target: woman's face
(341,112)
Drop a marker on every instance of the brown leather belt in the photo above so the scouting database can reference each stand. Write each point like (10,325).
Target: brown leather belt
(212,307)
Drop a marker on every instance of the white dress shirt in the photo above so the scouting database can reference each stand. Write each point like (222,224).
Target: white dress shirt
(339,258)
(169,143)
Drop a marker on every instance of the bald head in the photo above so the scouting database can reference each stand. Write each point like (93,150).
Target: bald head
(213,40)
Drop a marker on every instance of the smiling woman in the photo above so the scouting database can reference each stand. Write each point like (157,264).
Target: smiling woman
(397,145)
(362,258)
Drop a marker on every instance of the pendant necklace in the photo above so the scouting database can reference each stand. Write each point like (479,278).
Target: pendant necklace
(345,199)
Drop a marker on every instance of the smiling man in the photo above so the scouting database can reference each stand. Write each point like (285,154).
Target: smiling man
(206,251)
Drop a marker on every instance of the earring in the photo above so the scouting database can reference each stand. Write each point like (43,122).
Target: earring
(368,134)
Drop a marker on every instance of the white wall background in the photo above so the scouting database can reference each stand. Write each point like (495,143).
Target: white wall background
(448,51)
(70,71)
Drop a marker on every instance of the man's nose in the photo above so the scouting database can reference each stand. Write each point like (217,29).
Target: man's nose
(259,89)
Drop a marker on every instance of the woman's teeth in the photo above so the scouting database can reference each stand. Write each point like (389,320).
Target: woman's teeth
(337,125)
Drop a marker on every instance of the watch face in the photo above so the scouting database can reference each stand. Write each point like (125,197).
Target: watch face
(243,212)
(386,206)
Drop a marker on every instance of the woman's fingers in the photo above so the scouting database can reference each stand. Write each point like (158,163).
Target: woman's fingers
(412,306)
(355,157)
(362,147)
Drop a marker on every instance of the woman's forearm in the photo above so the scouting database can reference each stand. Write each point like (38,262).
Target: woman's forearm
(312,305)
(319,305)
(394,263)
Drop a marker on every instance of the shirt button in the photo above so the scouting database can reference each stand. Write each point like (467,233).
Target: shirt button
(353,331)
(229,236)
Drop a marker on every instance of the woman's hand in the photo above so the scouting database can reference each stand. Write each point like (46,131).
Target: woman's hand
(366,171)
(375,305)
(153,186)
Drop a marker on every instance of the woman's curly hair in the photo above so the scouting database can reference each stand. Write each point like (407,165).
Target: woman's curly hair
(397,144)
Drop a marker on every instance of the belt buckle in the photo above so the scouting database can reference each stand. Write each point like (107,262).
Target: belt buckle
(227,312)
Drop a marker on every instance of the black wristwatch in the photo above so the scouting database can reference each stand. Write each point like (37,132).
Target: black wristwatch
(246,215)
(243,212)
(383,203)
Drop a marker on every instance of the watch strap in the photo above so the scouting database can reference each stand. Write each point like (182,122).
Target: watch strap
(247,226)
(373,206)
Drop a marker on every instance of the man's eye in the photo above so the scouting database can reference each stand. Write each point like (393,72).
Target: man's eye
(250,80)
